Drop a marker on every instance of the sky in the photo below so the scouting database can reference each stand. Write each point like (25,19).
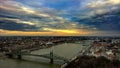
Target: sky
(59,17)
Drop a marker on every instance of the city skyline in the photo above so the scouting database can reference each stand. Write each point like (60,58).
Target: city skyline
(60,17)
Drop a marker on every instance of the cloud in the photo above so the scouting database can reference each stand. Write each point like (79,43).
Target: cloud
(72,17)
(109,21)
(102,3)
(32,17)
(18,21)
(51,32)
(22,33)
(12,25)
(102,6)
(114,1)
(60,30)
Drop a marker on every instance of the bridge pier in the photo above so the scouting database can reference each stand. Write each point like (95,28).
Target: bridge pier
(18,54)
(51,61)
(19,57)
(51,57)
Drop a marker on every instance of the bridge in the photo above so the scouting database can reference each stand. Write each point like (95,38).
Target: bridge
(51,56)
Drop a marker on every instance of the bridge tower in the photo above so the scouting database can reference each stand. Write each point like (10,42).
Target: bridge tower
(19,54)
(51,57)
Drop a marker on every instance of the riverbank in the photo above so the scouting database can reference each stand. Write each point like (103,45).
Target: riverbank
(93,62)
(98,52)
(13,63)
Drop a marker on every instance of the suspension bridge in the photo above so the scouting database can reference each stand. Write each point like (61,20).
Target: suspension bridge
(51,56)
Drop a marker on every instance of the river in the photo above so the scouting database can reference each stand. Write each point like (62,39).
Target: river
(66,50)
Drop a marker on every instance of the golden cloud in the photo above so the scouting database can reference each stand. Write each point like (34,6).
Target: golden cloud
(51,32)
(61,30)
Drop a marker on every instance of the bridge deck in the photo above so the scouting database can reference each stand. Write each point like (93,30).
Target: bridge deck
(55,57)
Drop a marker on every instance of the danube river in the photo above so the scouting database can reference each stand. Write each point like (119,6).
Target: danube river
(66,50)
